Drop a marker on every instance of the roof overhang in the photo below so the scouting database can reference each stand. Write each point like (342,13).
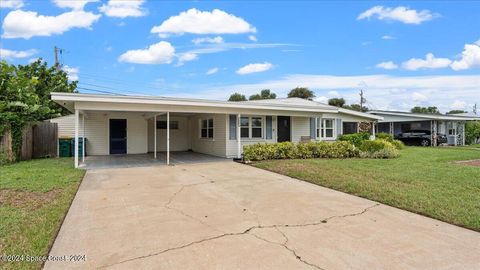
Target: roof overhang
(419,117)
(73,101)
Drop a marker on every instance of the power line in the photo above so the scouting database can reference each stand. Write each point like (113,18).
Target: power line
(107,87)
(100,91)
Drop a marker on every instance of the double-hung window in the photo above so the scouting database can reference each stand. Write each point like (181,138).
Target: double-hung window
(251,127)
(206,131)
(451,129)
(326,128)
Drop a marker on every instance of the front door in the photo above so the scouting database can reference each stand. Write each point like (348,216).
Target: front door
(283,128)
(118,136)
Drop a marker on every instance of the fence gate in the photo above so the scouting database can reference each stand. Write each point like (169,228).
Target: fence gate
(44,137)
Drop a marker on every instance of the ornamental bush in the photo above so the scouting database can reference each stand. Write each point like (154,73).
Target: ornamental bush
(289,150)
(384,136)
(378,148)
(355,138)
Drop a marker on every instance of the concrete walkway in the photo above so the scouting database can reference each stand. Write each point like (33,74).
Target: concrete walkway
(231,216)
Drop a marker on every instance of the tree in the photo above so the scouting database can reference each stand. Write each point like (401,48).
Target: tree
(338,102)
(301,92)
(472,132)
(25,96)
(456,111)
(356,107)
(264,94)
(428,110)
(237,97)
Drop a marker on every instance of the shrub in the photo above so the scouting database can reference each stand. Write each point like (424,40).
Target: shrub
(355,138)
(399,145)
(472,132)
(384,136)
(378,149)
(287,150)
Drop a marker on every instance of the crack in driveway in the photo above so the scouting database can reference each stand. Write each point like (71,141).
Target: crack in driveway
(247,231)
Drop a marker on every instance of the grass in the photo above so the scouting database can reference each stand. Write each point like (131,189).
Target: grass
(34,198)
(421,180)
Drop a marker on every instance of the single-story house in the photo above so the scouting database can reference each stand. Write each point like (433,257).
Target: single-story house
(453,126)
(116,124)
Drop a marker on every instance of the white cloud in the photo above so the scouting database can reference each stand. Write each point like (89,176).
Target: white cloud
(160,53)
(459,105)
(27,24)
(430,62)
(212,71)
(9,54)
(124,8)
(186,57)
(381,91)
(194,21)
(389,65)
(416,96)
(13,4)
(470,57)
(253,68)
(72,72)
(388,37)
(322,99)
(214,40)
(253,38)
(73,4)
(401,14)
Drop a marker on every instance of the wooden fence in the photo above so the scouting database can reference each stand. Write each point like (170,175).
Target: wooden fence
(39,140)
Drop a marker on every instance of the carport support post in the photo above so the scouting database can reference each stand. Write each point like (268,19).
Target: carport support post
(373,130)
(168,138)
(239,143)
(76,138)
(83,139)
(155,136)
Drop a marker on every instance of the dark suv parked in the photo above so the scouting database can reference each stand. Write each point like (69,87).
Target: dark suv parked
(420,137)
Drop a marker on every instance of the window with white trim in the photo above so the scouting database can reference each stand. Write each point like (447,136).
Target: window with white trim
(326,128)
(206,130)
(451,129)
(251,127)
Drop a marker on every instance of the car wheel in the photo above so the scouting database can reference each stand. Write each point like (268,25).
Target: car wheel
(425,142)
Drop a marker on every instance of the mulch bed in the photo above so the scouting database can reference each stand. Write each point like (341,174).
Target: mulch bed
(26,199)
(474,162)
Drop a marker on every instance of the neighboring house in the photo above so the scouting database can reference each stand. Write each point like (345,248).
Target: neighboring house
(115,124)
(453,126)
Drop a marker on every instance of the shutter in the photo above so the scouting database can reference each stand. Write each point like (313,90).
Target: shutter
(339,127)
(233,127)
(268,134)
(312,128)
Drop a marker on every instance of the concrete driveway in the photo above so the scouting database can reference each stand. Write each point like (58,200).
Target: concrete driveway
(231,216)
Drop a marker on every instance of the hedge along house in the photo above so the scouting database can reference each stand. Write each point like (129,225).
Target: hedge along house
(453,126)
(115,124)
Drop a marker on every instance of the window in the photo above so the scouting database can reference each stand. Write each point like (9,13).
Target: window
(244,127)
(451,129)
(326,128)
(351,127)
(251,127)
(206,131)
(256,127)
(162,124)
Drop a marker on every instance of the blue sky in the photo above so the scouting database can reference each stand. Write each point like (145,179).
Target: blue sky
(401,54)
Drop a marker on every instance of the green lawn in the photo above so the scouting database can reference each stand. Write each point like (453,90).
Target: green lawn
(421,180)
(34,198)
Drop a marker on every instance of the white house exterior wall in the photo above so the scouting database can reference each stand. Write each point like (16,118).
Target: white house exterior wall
(179,138)
(215,146)
(66,126)
(300,126)
(97,132)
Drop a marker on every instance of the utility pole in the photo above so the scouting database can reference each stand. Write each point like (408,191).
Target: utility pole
(475,109)
(362,100)
(56,51)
